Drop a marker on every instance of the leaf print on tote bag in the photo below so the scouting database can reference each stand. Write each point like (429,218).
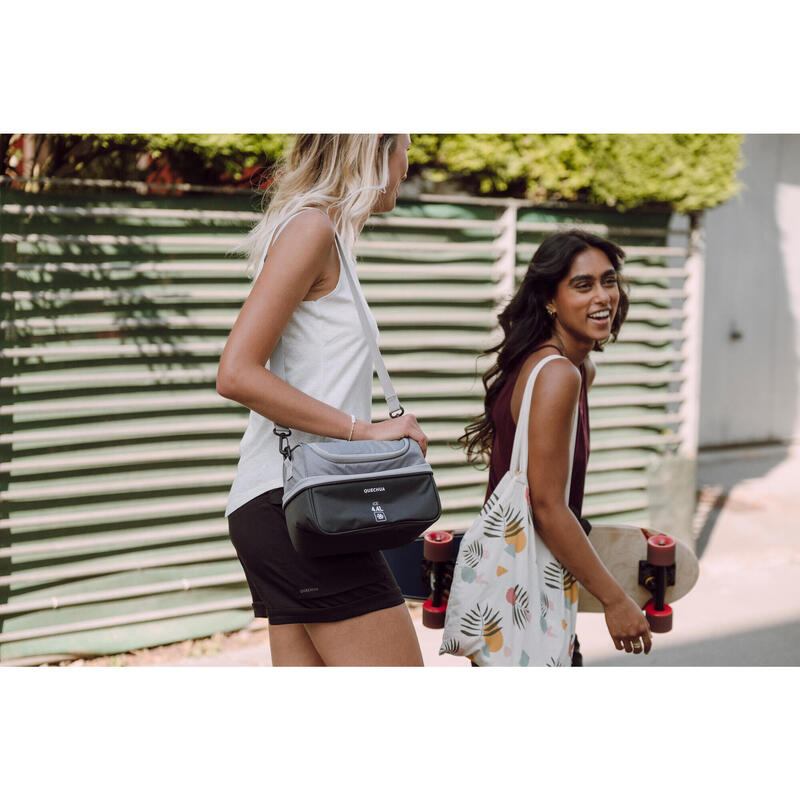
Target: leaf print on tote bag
(515,533)
(544,609)
(451,646)
(508,523)
(494,523)
(554,575)
(521,612)
(571,588)
(484,622)
(489,505)
(502,564)
(472,560)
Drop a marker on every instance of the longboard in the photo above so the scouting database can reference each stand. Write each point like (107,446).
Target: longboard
(424,571)
(622,548)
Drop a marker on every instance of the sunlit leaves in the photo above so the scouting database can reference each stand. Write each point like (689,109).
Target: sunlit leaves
(685,171)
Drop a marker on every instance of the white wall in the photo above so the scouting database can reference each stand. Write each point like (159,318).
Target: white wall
(751,314)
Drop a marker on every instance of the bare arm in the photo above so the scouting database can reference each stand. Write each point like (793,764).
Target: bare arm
(294,263)
(554,402)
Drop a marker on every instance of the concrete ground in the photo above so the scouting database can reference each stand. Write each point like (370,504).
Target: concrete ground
(744,610)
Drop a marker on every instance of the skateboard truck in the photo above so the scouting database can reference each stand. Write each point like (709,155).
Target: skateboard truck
(437,548)
(656,573)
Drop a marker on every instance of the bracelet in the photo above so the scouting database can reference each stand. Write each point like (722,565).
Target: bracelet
(352,427)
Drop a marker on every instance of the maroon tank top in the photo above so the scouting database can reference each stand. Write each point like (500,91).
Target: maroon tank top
(505,428)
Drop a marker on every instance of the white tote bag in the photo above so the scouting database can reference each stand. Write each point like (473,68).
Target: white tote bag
(511,603)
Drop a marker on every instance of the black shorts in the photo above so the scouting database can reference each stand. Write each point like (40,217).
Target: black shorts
(288,588)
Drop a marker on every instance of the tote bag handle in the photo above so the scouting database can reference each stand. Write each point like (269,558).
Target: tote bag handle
(519,454)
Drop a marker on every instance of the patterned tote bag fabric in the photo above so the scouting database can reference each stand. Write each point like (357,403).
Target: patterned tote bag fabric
(511,603)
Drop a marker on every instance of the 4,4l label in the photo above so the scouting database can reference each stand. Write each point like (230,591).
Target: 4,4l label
(380,514)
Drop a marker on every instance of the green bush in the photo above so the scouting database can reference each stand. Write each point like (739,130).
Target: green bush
(685,171)
(168,157)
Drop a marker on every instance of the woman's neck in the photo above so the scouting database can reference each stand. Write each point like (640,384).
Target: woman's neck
(576,350)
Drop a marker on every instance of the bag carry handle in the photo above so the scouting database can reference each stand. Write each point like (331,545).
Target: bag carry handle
(519,453)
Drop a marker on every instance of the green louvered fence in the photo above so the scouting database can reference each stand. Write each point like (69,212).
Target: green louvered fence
(116,453)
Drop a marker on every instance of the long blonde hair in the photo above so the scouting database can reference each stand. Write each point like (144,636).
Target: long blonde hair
(346,172)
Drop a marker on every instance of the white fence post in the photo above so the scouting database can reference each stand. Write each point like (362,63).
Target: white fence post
(693,344)
(506,265)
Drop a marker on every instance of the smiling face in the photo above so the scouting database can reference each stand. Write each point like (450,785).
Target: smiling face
(398,170)
(587,299)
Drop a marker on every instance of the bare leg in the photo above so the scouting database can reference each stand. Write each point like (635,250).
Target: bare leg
(384,638)
(290,646)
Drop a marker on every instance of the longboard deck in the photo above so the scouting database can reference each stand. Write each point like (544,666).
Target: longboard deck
(620,548)
(407,564)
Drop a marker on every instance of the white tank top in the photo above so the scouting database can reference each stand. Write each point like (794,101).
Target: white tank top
(323,353)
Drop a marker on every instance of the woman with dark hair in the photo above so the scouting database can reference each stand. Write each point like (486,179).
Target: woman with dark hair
(570,302)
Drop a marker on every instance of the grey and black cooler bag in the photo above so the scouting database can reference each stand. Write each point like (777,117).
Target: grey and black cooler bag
(350,497)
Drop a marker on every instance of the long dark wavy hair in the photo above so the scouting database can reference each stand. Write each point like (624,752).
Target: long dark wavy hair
(526,323)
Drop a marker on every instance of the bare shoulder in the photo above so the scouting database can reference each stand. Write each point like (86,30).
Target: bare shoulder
(300,253)
(312,227)
(558,383)
(559,380)
(555,397)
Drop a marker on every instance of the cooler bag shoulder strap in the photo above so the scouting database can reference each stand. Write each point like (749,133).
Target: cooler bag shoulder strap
(395,409)
(392,401)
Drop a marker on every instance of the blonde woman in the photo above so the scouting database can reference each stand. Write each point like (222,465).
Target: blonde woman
(297,357)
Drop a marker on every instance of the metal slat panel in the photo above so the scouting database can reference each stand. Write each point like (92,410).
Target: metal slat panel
(183,585)
(152,535)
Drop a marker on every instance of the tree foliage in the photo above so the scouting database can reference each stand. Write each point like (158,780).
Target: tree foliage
(686,171)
